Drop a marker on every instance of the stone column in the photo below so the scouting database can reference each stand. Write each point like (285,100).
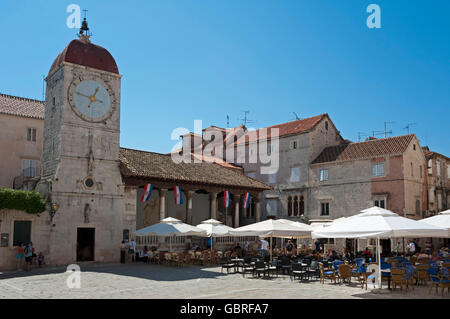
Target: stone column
(213,207)
(258,207)
(189,195)
(237,199)
(162,203)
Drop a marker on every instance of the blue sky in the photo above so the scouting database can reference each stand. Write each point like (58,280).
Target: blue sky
(183,60)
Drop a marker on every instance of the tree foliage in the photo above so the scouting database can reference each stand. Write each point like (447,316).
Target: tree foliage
(27,201)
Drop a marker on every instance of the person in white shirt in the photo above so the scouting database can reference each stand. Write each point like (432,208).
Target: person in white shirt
(264,246)
(411,248)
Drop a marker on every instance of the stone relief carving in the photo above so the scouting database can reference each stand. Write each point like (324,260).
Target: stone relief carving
(87,213)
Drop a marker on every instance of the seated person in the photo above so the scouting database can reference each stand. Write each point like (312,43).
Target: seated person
(146,253)
(289,249)
(367,253)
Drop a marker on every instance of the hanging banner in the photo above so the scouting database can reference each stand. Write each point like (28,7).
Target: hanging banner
(177,195)
(226,199)
(147,192)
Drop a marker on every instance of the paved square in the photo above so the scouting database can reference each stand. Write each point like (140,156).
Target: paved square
(155,281)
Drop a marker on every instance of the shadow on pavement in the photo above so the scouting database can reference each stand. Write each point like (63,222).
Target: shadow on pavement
(136,270)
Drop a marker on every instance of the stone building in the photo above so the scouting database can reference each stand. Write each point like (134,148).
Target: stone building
(388,172)
(296,144)
(22,127)
(438,181)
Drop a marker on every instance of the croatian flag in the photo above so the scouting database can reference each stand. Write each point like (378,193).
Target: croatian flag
(177,195)
(226,199)
(246,202)
(147,192)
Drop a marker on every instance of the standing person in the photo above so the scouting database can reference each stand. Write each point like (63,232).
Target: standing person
(132,250)
(244,248)
(317,244)
(411,248)
(28,256)
(122,252)
(264,246)
(20,254)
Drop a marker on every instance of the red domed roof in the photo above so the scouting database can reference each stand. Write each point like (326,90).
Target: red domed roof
(85,53)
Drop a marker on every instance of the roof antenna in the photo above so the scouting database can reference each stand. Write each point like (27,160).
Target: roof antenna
(407,127)
(228,121)
(296,116)
(245,119)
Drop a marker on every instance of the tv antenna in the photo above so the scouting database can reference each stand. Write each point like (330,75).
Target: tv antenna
(296,117)
(385,128)
(228,121)
(408,126)
(361,134)
(374,133)
(245,119)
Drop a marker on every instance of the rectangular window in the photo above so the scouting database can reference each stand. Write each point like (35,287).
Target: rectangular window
(22,232)
(380,203)
(30,168)
(323,175)
(324,209)
(31,134)
(420,171)
(295,174)
(378,169)
(294,144)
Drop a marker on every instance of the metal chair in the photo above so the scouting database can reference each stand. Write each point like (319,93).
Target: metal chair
(297,270)
(225,263)
(260,267)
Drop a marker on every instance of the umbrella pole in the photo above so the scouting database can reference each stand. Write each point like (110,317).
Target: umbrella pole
(270,248)
(379,262)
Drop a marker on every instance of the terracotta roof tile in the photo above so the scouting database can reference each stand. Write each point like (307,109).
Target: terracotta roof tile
(364,150)
(20,106)
(141,164)
(285,129)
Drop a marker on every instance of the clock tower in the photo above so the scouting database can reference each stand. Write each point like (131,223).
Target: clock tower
(80,162)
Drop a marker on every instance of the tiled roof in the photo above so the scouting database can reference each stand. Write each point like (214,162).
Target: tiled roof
(148,165)
(365,150)
(284,129)
(20,106)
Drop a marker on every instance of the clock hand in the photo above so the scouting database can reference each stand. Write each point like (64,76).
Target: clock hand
(96,90)
(81,94)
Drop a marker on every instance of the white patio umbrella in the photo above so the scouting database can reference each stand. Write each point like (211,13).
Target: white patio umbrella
(441,220)
(215,228)
(274,228)
(379,223)
(171,227)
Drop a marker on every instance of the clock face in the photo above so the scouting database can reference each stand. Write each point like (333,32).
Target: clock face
(90,99)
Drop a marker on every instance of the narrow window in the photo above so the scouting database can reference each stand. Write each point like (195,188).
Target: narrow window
(295,206)
(302,206)
(289,203)
(325,209)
